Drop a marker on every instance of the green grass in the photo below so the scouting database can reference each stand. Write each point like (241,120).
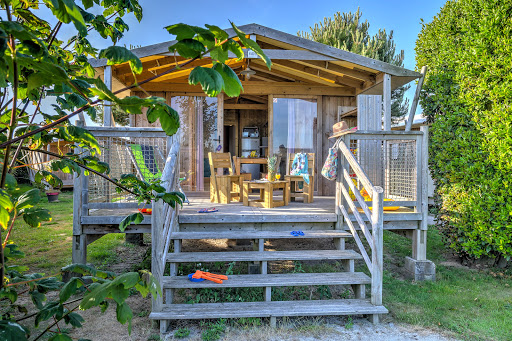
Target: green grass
(48,247)
(477,305)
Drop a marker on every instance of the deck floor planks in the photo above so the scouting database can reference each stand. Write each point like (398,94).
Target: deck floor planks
(268,309)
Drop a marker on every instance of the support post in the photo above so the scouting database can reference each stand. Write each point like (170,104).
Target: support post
(386,100)
(418,267)
(378,245)
(80,199)
(271,125)
(414,105)
(107,109)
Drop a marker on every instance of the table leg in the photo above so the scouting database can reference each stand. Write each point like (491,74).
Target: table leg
(269,196)
(286,193)
(245,194)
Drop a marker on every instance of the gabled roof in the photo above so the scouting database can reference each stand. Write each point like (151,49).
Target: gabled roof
(303,60)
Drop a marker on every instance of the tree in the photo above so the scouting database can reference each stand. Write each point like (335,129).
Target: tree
(467,99)
(120,117)
(348,32)
(35,64)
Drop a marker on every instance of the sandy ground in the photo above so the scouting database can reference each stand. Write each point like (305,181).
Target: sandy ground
(105,326)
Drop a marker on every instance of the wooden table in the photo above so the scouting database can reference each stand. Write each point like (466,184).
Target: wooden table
(267,189)
(238,161)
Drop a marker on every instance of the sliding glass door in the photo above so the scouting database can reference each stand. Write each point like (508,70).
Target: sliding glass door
(294,128)
(199,136)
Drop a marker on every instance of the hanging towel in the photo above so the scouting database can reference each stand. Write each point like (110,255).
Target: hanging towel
(300,166)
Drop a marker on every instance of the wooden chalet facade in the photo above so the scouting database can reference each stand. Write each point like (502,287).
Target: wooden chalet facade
(310,87)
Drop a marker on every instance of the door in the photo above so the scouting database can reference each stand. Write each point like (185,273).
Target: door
(294,128)
(199,136)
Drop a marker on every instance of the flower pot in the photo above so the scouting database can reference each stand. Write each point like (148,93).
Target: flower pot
(53,197)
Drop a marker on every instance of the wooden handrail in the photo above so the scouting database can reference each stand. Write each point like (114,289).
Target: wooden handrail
(361,175)
(164,217)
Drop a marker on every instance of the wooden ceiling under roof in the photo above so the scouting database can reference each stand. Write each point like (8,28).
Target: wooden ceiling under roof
(297,65)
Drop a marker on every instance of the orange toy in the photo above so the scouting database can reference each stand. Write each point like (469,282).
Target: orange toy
(209,276)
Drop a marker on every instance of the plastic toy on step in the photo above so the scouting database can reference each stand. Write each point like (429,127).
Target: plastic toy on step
(209,276)
(297,233)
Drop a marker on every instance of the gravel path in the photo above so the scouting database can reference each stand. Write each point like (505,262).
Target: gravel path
(332,330)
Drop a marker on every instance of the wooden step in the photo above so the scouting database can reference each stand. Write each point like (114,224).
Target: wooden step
(260,234)
(268,309)
(251,256)
(271,280)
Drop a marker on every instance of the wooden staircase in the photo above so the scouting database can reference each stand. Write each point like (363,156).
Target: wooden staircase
(168,235)
(270,309)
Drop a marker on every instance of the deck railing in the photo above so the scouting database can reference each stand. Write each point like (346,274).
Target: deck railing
(377,169)
(164,219)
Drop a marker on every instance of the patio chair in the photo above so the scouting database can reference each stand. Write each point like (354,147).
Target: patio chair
(146,166)
(224,188)
(298,186)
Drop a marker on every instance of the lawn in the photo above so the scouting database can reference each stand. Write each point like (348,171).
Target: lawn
(48,248)
(474,304)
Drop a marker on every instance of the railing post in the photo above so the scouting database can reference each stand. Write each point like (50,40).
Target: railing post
(377,254)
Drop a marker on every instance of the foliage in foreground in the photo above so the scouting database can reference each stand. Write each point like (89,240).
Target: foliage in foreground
(467,97)
(347,31)
(36,64)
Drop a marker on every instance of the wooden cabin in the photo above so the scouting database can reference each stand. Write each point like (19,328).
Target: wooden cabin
(293,106)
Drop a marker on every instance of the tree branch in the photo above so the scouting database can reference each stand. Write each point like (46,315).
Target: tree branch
(82,166)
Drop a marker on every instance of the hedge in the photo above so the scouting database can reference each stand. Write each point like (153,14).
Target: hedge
(467,97)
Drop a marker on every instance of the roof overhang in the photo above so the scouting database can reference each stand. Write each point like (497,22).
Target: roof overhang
(294,59)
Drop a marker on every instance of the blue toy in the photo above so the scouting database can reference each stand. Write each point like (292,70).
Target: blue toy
(297,233)
(195,279)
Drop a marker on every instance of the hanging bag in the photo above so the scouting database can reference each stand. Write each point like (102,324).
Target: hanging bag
(330,168)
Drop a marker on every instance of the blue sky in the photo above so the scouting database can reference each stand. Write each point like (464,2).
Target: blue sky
(403,17)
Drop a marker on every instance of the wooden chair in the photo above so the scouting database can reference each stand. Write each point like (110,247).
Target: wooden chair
(223,188)
(307,190)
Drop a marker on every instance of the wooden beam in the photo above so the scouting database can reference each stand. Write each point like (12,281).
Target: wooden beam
(386,101)
(258,99)
(339,70)
(415,100)
(316,72)
(263,70)
(268,77)
(257,88)
(242,106)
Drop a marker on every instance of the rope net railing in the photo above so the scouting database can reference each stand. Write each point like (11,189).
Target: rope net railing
(142,156)
(390,164)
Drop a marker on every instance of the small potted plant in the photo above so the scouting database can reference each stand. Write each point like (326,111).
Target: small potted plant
(51,193)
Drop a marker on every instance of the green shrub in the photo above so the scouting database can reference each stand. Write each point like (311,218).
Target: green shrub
(467,97)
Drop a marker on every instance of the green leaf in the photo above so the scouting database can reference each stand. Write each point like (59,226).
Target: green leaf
(11,331)
(232,84)
(50,178)
(128,280)
(79,269)
(182,31)
(60,337)
(74,319)
(34,216)
(102,91)
(95,296)
(168,117)
(219,33)
(210,80)
(28,199)
(10,294)
(10,181)
(134,218)
(119,293)
(69,289)
(124,314)
(251,44)
(118,55)
(235,47)
(67,11)
(188,48)
(38,298)
(219,53)
(48,311)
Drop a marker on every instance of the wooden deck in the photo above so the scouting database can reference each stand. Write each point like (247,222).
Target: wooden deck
(319,213)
